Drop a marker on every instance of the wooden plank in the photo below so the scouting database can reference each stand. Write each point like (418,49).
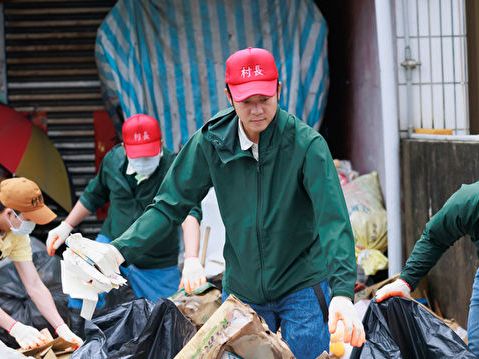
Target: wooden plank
(33,48)
(51,35)
(52,72)
(433,131)
(57,11)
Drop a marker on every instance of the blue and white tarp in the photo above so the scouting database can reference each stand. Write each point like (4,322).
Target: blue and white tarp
(166,58)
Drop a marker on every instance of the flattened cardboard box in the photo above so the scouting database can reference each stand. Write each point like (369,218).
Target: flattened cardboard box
(200,305)
(54,349)
(235,327)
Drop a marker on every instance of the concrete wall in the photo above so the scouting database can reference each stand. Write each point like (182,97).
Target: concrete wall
(431,172)
(353,125)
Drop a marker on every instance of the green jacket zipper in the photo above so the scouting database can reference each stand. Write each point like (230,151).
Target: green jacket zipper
(258,228)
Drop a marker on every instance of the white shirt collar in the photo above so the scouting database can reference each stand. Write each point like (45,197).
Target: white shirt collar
(245,142)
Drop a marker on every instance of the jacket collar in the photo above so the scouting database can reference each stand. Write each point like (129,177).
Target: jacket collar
(222,132)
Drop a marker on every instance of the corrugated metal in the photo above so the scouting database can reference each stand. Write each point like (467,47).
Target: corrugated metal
(51,67)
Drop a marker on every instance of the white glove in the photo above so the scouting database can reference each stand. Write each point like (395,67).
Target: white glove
(27,337)
(193,275)
(66,334)
(398,288)
(342,309)
(57,236)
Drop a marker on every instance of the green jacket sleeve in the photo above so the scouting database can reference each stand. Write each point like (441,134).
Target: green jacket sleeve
(185,185)
(96,193)
(197,213)
(332,220)
(459,216)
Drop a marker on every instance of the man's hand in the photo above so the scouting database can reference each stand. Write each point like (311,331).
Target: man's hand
(342,309)
(66,334)
(57,236)
(193,275)
(398,288)
(27,337)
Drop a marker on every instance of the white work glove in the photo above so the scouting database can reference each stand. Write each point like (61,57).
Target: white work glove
(57,236)
(398,288)
(27,337)
(342,309)
(193,275)
(66,334)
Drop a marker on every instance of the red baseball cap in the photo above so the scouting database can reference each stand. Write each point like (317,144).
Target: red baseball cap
(249,72)
(141,136)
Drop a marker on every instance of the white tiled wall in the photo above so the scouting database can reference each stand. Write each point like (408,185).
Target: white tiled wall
(437,31)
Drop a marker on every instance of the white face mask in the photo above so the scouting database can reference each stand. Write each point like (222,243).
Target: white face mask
(25,228)
(143,166)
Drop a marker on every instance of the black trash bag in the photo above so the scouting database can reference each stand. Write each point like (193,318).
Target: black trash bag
(401,328)
(14,299)
(138,329)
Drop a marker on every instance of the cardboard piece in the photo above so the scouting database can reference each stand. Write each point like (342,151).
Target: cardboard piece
(86,272)
(200,305)
(235,328)
(53,349)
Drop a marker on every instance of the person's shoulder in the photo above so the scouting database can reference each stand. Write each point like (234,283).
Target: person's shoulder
(304,134)
(219,119)
(116,153)
(467,192)
(167,156)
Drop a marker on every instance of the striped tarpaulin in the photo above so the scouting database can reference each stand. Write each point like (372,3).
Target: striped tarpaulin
(166,58)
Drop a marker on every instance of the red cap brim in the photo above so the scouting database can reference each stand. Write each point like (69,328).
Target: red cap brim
(241,92)
(144,150)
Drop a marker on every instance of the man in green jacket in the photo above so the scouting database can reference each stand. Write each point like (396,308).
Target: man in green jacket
(289,245)
(458,217)
(129,178)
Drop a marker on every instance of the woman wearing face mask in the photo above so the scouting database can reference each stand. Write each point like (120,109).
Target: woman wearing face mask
(129,178)
(21,208)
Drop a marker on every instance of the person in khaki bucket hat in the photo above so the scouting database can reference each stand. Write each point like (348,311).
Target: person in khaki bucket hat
(21,208)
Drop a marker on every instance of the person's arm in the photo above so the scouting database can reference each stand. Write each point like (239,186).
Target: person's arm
(193,274)
(43,300)
(77,215)
(336,238)
(459,216)
(27,337)
(191,236)
(320,180)
(96,194)
(6,321)
(186,184)
(39,294)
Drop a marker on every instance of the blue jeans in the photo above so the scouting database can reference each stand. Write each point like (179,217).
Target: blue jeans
(301,320)
(151,284)
(473,319)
